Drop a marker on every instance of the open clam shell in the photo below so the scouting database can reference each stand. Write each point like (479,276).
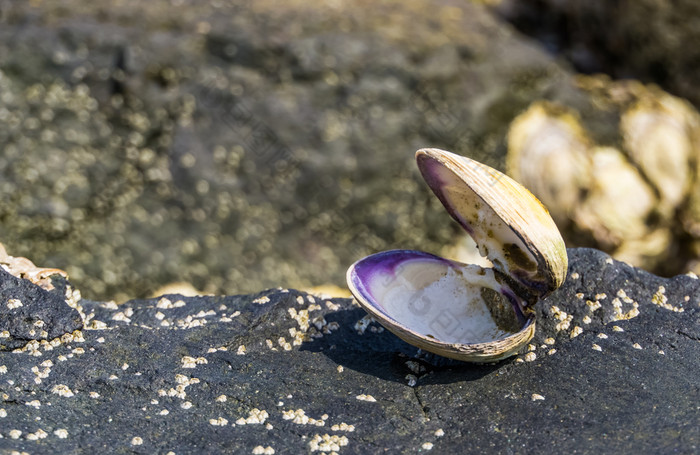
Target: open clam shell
(462,311)
(456,310)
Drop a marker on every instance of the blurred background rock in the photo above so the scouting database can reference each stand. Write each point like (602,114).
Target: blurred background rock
(649,40)
(241,145)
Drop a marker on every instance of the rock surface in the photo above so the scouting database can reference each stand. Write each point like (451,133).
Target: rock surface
(613,368)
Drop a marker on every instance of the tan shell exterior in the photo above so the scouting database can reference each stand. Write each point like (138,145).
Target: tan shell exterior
(519,209)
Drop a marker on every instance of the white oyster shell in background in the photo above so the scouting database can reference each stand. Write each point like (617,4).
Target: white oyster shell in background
(634,190)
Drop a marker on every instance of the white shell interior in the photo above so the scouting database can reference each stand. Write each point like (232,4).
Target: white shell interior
(438,299)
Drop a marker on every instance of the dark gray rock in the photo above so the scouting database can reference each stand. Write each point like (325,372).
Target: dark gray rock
(153,377)
(30,313)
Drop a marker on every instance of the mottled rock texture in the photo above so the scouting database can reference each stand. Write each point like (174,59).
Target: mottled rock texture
(217,143)
(612,369)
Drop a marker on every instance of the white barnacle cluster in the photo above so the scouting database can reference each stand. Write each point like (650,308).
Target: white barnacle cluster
(659,299)
(593,306)
(72,299)
(617,302)
(530,357)
(179,390)
(302,318)
(229,318)
(332,306)
(343,427)
(14,303)
(327,443)
(38,434)
(34,403)
(260,450)
(576,331)
(284,344)
(308,327)
(365,323)
(299,417)
(255,417)
(34,347)
(193,321)
(262,300)
(219,422)
(123,316)
(62,390)
(43,373)
(96,325)
(165,303)
(562,316)
(364,397)
(191,362)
